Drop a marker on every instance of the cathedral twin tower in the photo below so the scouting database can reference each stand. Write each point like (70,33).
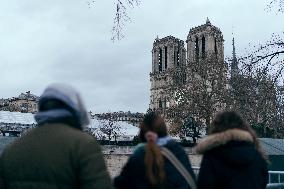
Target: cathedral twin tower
(169,54)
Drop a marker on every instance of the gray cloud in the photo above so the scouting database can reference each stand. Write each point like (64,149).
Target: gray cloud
(65,41)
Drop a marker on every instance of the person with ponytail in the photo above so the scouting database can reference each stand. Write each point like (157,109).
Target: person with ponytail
(147,168)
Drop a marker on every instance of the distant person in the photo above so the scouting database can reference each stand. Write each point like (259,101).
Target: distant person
(232,156)
(56,154)
(148,168)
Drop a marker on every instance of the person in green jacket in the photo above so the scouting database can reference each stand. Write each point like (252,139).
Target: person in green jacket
(57,154)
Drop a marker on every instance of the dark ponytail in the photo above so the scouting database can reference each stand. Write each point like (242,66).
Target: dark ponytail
(154,161)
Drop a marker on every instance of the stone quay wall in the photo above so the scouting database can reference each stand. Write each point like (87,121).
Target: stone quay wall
(116,157)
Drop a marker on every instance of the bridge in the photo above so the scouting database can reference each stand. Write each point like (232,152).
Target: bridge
(14,129)
(16,123)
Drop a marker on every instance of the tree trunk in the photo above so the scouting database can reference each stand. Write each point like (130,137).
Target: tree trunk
(207,122)
(194,140)
(109,138)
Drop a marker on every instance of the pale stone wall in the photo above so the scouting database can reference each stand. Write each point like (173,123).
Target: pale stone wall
(115,162)
(161,80)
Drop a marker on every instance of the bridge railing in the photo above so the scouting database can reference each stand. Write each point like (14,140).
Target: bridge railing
(275,178)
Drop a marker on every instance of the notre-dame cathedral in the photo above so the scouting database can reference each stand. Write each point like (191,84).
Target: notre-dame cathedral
(169,53)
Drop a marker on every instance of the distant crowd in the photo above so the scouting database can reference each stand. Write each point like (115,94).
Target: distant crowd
(59,155)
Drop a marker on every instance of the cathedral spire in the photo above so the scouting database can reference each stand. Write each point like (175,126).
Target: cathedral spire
(208,21)
(157,38)
(234,64)
(234,50)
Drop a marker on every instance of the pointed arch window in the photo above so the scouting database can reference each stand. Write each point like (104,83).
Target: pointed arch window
(196,48)
(160,60)
(166,57)
(160,103)
(215,46)
(184,78)
(178,58)
(203,46)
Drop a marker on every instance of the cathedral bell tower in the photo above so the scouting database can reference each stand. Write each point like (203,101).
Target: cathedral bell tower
(203,41)
(173,67)
(168,54)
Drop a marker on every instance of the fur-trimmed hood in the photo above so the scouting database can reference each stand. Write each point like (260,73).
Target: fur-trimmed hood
(222,138)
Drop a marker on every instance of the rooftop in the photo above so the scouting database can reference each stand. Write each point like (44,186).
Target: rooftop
(167,39)
(204,26)
(272,146)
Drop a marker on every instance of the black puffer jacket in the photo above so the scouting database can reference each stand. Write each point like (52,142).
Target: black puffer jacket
(231,161)
(133,174)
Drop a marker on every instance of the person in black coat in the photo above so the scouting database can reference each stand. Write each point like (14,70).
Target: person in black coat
(147,168)
(232,156)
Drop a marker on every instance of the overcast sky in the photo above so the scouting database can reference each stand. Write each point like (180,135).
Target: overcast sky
(48,41)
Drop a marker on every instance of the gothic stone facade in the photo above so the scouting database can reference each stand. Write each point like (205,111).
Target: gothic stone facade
(169,54)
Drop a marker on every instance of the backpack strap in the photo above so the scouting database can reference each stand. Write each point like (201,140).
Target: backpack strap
(178,165)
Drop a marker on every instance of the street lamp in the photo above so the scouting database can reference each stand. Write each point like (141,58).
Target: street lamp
(191,128)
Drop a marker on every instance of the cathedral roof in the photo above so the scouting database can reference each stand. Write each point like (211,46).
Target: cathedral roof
(203,27)
(168,39)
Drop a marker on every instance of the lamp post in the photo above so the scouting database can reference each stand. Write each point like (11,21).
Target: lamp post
(191,128)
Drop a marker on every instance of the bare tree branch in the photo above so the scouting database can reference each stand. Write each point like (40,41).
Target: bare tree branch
(278,4)
(121,17)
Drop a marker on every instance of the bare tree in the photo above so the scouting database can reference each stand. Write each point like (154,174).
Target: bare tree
(254,96)
(111,129)
(188,128)
(203,93)
(121,17)
(95,132)
(268,58)
(254,89)
(279,4)
(209,89)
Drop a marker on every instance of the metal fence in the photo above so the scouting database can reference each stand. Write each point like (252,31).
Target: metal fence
(275,180)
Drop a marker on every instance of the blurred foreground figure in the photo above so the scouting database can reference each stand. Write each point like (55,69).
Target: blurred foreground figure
(232,156)
(56,154)
(148,167)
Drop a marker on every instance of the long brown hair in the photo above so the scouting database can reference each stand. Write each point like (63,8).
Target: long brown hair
(232,120)
(154,160)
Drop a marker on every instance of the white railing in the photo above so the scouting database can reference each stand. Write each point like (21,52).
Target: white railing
(275,178)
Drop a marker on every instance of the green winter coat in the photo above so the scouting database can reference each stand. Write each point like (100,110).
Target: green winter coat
(54,156)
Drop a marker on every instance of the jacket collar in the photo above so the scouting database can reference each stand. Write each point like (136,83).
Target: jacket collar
(222,138)
(162,141)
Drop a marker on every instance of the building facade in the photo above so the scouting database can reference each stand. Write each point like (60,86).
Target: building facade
(25,103)
(168,54)
(171,62)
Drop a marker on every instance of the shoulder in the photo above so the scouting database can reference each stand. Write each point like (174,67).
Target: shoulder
(75,138)
(222,139)
(175,148)
(73,133)
(178,151)
(139,151)
(11,144)
(232,148)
